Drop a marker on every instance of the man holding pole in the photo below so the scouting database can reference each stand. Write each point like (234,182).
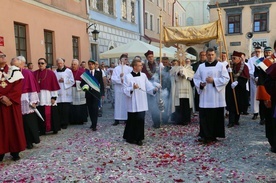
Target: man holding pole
(240,75)
(117,78)
(210,81)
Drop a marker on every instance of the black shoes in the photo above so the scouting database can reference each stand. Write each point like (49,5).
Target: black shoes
(139,142)
(156,126)
(230,125)
(15,156)
(255,116)
(64,126)
(207,140)
(94,129)
(2,157)
(116,123)
(30,146)
(262,122)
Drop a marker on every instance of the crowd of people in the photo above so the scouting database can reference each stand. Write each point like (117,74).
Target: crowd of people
(34,103)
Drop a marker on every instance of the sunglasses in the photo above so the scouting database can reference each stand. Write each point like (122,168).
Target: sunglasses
(2,56)
(41,63)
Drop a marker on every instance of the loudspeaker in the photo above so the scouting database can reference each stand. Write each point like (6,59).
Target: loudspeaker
(249,35)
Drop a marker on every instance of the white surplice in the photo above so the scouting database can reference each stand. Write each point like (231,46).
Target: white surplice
(120,109)
(254,104)
(65,92)
(136,100)
(181,85)
(212,96)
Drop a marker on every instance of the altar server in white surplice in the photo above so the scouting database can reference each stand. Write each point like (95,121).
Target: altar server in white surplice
(136,87)
(254,103)
(210,80)
(117,78)
(66,80)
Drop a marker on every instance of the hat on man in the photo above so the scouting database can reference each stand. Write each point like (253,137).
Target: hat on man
(124,55)
(149,52)
(268,48)
(237,54)
(91,60)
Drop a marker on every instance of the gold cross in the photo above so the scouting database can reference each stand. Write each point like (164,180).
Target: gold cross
(3,84)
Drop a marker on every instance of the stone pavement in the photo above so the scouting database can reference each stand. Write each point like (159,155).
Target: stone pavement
(169,154)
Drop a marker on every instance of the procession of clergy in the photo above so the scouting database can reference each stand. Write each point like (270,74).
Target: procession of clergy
(35,103)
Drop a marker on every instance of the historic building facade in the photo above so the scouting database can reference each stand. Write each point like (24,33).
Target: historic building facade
(43,28)
(118,22)
(197,13)
(247,23)
(172,14)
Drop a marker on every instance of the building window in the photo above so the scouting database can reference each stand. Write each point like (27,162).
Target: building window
(234,24)
(151,22)
(190,21)
(132,11)
(157,2)
(124,9)
(158,25)
(75,41)
(260,22)
(99,4)
(110,5)
(20,40)
(48,41)
(146,20)
(164,5)
(233,20)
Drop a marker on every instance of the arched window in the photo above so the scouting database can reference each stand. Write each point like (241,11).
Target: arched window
(190,21)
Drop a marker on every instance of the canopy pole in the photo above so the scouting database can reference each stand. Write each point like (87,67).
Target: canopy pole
(226,50)
(160,60)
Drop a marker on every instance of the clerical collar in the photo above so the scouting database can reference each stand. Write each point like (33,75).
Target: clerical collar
(61,70)
(212,64)
(135,74)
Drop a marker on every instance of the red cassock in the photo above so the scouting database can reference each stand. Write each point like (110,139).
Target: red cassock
(12,137)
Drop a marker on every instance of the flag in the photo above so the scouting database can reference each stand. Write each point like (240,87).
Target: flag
(192,35)
(93,83)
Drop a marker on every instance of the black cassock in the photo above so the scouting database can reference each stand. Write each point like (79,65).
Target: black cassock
(134,130)
(241,96)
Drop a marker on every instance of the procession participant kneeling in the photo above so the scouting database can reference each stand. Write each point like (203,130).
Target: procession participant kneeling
(136,87)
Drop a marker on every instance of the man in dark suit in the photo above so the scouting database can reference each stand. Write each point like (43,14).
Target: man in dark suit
(92,84)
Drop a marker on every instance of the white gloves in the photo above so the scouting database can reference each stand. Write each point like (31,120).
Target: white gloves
(234,84)
(256,79)
(157,85)
(229,69)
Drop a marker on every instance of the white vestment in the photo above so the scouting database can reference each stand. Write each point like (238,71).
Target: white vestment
(136,100)
(78,94)
(65,92)
(254,104)
(120,109)
(213,94)
(182,85)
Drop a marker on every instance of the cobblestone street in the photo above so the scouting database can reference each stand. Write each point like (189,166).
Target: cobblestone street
(169,154)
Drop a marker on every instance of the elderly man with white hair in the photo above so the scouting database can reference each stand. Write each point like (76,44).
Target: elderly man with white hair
(78,114)
(29,101)
(66,81)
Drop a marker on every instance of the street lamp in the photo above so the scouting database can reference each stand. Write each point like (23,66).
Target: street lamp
(95,32)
